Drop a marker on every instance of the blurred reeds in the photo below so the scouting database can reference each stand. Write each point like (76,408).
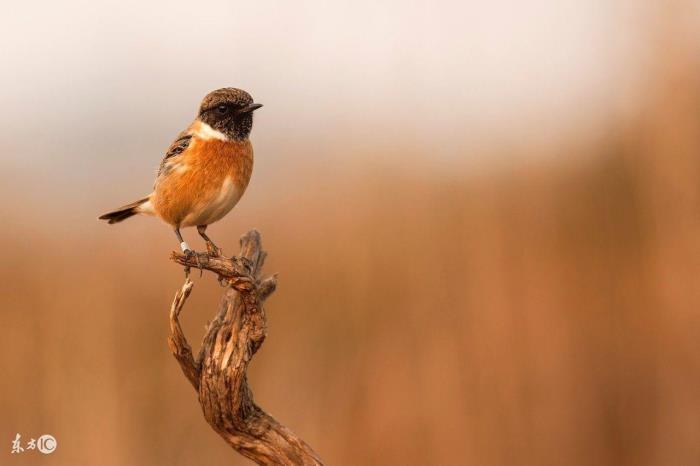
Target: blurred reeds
(533,314)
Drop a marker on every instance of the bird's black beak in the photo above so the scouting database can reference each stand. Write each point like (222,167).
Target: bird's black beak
(250,108)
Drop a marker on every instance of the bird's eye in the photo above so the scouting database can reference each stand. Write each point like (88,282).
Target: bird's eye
(222,109)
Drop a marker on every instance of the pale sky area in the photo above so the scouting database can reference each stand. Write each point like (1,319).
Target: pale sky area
(110,84)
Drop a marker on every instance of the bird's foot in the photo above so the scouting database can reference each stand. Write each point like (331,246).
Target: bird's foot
(189,253)
(213,250)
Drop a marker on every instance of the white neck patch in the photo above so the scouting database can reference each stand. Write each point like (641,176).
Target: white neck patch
(205,132)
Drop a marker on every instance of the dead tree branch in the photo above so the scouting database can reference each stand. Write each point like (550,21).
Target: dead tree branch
(218,373)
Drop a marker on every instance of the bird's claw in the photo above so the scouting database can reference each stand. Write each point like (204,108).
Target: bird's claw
(199,265)
(188,254)
(213,250)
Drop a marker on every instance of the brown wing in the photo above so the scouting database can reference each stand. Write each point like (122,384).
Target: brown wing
(170,160)
(176,148)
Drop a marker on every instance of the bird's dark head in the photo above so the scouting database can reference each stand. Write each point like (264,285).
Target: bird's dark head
(230,111)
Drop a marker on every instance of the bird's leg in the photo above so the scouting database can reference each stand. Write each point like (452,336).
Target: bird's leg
(183,245)
(212,248)
(188,252)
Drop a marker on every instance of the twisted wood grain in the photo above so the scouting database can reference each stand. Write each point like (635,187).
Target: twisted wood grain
(218,373)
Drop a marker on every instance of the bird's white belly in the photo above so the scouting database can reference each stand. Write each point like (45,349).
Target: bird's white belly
(214,209)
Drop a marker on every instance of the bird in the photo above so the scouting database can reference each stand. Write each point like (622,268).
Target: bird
(204,172)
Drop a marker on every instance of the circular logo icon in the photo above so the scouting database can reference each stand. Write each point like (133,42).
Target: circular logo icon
(46,444)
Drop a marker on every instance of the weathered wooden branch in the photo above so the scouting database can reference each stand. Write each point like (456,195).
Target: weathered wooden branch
(218,373)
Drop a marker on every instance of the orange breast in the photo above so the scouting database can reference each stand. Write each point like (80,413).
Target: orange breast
(197,188)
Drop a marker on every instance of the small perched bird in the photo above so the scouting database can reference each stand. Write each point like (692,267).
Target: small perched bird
(206,169)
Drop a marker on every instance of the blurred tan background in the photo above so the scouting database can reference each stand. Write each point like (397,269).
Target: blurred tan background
(485,217)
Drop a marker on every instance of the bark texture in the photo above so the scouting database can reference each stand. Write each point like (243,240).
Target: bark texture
(218,373)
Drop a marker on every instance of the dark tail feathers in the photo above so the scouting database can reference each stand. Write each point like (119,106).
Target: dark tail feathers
(123,212)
